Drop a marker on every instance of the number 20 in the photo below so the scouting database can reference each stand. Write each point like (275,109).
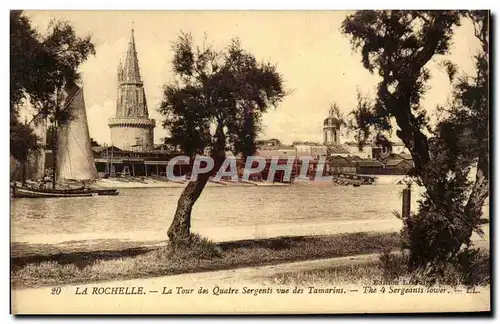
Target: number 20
(55,291)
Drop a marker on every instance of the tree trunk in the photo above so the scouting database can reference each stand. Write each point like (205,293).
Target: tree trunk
(473,209)
(179,230)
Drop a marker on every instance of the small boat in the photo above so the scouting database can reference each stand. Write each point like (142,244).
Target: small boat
(75,162)
(20,191)
(355,180)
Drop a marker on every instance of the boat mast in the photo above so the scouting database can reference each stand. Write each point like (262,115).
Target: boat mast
(111,162)
(54,143)
(25,161)
(106,169)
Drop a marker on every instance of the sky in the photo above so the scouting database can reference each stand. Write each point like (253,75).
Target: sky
(317,62)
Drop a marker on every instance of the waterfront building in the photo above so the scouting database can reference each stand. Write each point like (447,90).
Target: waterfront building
(131,128)
(338,146)
(371,167)
(111,161)
(269,142)
(367,151)
(341,164)
(369,158)
(316,150)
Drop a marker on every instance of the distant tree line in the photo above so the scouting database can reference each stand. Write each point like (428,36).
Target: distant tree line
(40,66)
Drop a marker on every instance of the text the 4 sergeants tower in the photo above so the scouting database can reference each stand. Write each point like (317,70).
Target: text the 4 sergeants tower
(131,129)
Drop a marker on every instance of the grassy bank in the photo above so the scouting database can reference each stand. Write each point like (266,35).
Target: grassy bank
(46,268)
(390,268)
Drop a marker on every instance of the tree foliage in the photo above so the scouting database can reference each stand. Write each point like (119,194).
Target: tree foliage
(362,121)
(215,104)
(336,112)
(228,90)
(40,65)
(23,141)
(397,45)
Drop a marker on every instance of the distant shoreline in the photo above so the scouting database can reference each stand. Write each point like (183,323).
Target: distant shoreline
(153,183)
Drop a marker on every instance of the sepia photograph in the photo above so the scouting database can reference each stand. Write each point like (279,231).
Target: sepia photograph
(249,162)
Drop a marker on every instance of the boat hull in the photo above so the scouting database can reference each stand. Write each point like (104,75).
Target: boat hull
(355,180)
(25,192)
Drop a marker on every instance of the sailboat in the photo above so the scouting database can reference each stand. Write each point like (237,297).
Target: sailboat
(74,162)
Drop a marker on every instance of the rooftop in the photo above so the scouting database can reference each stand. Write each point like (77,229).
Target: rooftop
(307,143)
(276,153)
(331,121)
(396,162)
(398,156)
(337,149)
(353,158)
(370,163)
(277,147)
(99,149)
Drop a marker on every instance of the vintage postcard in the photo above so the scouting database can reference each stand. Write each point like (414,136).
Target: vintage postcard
(249,162)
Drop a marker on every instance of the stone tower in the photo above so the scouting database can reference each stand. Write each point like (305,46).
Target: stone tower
(131,129)
(331,129)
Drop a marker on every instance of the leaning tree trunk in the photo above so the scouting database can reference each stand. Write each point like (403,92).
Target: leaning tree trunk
(179,231)
(473,208)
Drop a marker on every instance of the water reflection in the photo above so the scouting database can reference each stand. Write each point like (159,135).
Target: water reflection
(151,209)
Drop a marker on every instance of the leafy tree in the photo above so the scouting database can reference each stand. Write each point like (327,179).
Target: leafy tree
(462,138)
(23,143)
(336,112)
(24,49)
(215,104)
(40,67)
(23,45)
(397,45)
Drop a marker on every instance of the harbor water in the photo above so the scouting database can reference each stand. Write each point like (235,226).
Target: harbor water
(221,213)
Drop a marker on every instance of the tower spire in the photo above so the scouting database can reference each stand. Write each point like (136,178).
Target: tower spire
(131,68)
(119,71)
(132,119)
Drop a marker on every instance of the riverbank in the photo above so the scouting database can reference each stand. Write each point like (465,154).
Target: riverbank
(93,240)
(357,260)
(338,272)
(149,182)
(214,233)
(136,183)
(364,270)
(37,266)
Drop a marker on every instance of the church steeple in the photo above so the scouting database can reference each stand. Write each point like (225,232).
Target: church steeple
(131,73)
